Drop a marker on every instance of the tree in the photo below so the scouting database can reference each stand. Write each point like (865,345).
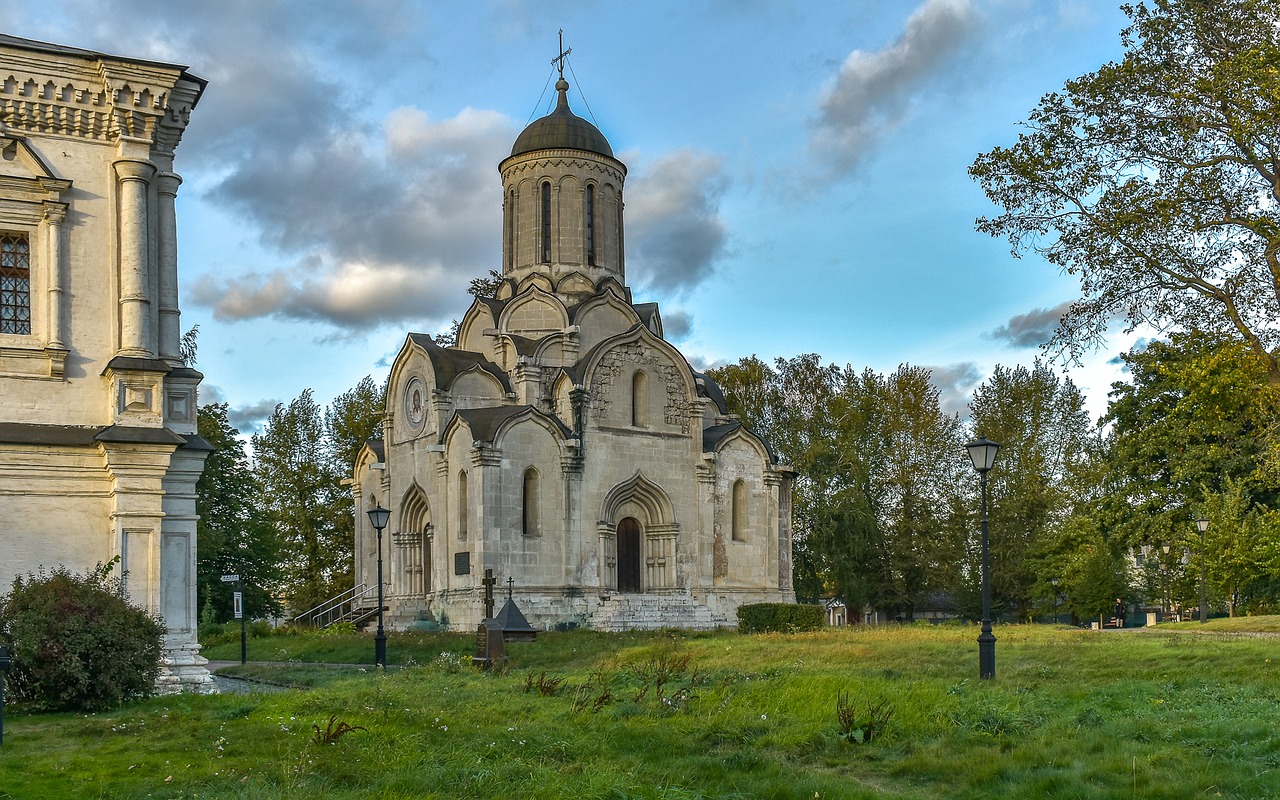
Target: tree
(1156,181)
(1045,436)
(304,497)
(1190,435)
(234,532)
(915,472)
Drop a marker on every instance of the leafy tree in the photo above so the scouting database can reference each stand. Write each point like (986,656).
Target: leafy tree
(302,458)
(304,497)
(1191,434)
(915,471)
(1156,180)
(1045,436)
(235,534)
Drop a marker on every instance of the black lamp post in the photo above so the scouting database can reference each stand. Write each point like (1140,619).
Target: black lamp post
(1203,525)
(982,452)
(378,517)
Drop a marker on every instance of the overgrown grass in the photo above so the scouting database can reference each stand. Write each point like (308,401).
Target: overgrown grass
(1072,714)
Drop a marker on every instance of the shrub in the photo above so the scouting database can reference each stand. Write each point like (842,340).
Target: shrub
(76,643)
(779,618)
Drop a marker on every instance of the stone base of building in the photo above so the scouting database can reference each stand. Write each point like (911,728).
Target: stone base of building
(184,670)
(595,609)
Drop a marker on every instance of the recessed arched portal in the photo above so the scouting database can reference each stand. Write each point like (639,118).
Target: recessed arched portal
(629,555)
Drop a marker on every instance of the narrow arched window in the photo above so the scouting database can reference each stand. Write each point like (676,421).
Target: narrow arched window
(591,225)
(738,510)
(546,222)
(511,230)
(639,399)
(531,519)
(462,505)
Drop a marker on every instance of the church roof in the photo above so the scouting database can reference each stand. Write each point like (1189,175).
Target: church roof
(709,389)
(449,362)
(713,436)
(484,422)
(561,130)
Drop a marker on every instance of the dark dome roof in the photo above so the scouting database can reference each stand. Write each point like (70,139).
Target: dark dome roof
(561,130)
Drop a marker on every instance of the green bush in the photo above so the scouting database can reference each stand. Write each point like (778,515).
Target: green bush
(76,643)
(779,618)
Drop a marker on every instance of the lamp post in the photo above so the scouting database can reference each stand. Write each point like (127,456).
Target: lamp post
(982,452)
(378,517)
(1056,597)
(1167,606)
(1203,525)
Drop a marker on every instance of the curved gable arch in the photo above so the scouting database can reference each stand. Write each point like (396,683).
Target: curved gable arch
(603,316)
(534,313)
(744,437)
(415,511)
(475,322)
(475,386)
(575,283)
(638,492)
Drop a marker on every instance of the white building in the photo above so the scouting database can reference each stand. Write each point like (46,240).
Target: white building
(564,444)
(99,455)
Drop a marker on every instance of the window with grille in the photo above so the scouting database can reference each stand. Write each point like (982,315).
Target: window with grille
(15,283)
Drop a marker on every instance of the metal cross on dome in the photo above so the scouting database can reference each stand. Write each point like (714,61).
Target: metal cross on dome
(558,61)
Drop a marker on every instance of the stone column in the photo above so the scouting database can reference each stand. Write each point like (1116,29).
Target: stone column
(135,303)
(54,214)
(170,317)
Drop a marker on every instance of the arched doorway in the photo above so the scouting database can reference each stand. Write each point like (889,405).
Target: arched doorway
(629,555)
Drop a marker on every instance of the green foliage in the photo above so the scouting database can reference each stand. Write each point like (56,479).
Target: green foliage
(779,618)
(1039,480)
(1153,179)
(76,643)
(234,531)
(302,456)
(875,512)
(1192,433)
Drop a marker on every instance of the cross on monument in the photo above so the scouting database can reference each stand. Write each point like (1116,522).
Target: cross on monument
(558,61)
(510,583)
(488,582)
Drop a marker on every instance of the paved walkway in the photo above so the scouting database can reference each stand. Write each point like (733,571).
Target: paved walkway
(229,684)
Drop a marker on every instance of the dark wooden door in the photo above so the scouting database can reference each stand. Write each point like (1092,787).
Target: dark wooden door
(628,555)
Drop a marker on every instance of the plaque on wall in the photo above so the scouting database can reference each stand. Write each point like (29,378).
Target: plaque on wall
(462,563)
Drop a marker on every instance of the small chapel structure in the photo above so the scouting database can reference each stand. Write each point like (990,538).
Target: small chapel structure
(563,443)
(99,455)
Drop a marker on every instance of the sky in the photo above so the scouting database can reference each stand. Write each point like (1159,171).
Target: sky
(797,172)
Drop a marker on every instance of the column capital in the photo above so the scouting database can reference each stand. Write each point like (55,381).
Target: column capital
(168,182)
(55,212)
(134,170)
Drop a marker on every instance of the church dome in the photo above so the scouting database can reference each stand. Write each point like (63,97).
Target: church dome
(561,130)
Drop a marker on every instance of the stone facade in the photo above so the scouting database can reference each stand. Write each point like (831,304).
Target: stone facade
(564,444)
(99,455)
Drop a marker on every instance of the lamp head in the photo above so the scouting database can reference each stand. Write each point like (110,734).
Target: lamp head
(378,516)
(982,452)
(1202,524)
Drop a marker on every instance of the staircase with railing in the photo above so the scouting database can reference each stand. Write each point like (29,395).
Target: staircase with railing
(356,605)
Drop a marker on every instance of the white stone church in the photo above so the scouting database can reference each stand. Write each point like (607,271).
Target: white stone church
(564,444)
(99,455)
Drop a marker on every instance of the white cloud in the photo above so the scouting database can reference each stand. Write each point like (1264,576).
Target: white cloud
(674,231)
(873,93)
(955,384)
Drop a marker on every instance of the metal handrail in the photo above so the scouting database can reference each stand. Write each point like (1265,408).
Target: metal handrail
(340,611)
(328,605)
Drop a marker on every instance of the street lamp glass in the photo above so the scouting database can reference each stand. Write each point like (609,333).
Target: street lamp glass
(982,452)
(1202,524)
(378,516)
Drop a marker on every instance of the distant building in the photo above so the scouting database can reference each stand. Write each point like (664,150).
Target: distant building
(564,444)
(99,455)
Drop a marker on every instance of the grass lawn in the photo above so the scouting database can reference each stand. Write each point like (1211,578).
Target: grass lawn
(1072,714)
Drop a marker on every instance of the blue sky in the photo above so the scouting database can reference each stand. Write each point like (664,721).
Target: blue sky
(797,171)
